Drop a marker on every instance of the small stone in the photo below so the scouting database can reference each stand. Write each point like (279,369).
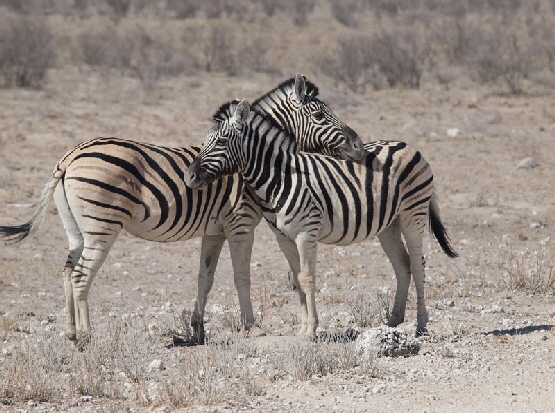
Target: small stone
(527,163)
(155,365)
(387,341)
(86,398)
(453,132)
(545,241)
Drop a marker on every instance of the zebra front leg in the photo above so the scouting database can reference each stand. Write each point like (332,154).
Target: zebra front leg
(307,245)
(289,249)
(392,244)
(209,255)
(240,247)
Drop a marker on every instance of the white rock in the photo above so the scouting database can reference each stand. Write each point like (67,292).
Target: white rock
(453,132)
(387,341)
(545,241)
(527,163)
(155,365)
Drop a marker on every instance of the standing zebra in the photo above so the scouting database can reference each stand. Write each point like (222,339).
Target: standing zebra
(105,185)
(308,199)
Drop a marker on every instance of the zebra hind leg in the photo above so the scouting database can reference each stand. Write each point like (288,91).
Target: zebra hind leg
(75,239)
(392,244)
(414,245)
(95,250)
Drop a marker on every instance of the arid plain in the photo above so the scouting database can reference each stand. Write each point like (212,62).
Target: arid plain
(492,310)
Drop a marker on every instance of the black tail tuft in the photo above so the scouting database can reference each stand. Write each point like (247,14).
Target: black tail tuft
(17,232)
(441,234)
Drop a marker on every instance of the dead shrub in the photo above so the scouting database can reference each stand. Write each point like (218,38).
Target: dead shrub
(457,38)
(530,271)
(98,49)
(365,311)
(118,8)
(299,10)
(396,56)
(151,59)
(270,6)
(26,51)
(183,9)
(345,12)
(400,56)
(219,55)
(351,64)
(498,54)
(256,57)
(307,359)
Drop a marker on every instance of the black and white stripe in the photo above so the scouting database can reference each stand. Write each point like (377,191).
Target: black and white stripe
(309,198)
(294,106)
(107,184)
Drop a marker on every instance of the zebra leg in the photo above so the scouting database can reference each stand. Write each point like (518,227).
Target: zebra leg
(289,249)
(240,247)
(307,245)
(75,239)
(392,244)
(414,245)
(95,250)
(209,255)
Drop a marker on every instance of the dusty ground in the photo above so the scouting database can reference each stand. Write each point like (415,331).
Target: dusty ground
(492,338)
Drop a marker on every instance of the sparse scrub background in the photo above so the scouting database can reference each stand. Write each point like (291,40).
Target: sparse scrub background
(356,42)
(469,83)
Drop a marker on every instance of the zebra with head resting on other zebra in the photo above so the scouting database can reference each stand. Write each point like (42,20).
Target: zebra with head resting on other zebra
(105,185)
(309,198)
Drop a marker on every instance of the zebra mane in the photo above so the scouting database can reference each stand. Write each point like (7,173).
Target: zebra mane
(226,111)
(287,86)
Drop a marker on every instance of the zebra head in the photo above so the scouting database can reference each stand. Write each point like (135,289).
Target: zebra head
(216,157)
(295,106)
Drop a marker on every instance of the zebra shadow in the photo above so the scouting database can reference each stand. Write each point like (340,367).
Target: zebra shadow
(519,331)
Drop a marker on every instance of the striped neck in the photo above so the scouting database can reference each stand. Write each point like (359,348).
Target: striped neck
(267,151)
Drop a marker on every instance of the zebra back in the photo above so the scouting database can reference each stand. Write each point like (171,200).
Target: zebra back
(139,187)
(352,200)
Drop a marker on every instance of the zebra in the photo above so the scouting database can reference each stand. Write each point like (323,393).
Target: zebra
(105,185)
(310,198)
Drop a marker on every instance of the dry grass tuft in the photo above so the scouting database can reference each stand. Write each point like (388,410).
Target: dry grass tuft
(530,271)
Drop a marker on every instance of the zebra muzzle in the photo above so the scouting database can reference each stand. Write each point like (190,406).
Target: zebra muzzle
(193,176)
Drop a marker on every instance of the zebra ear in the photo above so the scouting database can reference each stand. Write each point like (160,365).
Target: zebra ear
(300,87)
(242,112)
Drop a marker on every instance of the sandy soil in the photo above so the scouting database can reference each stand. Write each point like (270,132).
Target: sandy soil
(492,340)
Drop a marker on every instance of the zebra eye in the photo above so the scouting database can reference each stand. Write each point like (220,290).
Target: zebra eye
(318,115)
(222,141)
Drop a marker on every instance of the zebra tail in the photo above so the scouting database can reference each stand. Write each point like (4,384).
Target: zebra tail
(439,230)
(17,233)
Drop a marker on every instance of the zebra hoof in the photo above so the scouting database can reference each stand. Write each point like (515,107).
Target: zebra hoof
(421,331)
(395,320)
(82,342)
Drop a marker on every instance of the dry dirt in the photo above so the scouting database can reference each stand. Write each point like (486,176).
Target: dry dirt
(492,340)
